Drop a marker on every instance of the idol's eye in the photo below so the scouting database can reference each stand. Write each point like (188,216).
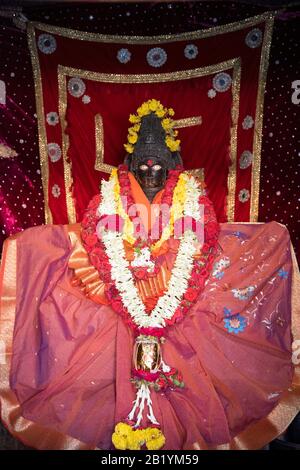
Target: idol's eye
(156,167)
(143,167)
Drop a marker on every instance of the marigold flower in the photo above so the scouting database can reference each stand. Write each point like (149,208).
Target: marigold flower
(134,119)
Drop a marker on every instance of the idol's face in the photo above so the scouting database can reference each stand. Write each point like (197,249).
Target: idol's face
(151,173)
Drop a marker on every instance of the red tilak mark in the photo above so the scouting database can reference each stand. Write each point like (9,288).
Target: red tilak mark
(149,162)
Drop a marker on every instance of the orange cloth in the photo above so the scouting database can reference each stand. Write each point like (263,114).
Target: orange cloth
(86,276)
(147,214)
(54,244)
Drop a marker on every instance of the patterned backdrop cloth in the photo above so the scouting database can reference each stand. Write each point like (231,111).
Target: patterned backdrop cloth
(65,380)
(214,79)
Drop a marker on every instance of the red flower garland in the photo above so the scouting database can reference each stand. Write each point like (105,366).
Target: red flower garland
(98,257)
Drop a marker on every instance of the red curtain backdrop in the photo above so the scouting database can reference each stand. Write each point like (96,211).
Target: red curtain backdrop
(218,75)
(207,145)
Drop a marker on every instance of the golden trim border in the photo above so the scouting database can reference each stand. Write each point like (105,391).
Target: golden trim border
(235,64)
(67,164)
(232,172)
(259,114)
(99,136)
(199,34)
(44,163)
(187,122)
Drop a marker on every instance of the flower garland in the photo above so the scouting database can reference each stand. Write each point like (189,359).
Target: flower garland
(153,106)
(186,282)
(188,275)
(173,195)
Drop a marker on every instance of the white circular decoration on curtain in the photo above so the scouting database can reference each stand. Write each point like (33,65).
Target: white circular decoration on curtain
(52,118)
(211,93)
(56,190)
(254,38)
(222,82)
(124,56)
(191,51)
(86,99)
(156,57)
(76,87)
(46,43)
(246,159)
(54,152)
(244,195)
(248,122)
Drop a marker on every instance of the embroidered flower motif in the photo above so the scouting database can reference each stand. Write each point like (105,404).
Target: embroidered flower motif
(54,152)
(191,51)
(219,266)
(56,190)
(76,87)
(247,122)
(156,57)
(222,82)
(52,118)
(280,321)
(124,55)
(246,159)
(243,294)
(46,43)
(254,38)
(283,274)
(240,235)
(244,195)
(234,323)
(211,93)
(86,99)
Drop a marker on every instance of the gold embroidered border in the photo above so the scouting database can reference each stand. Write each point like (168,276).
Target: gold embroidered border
(257,138)
(41,119)
(151,78)
(62,109)
(95,37)
(99,164)
(187,122)
(231,182)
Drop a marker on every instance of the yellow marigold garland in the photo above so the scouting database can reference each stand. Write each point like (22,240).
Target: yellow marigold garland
(125,437)
(153,106)
(176,210)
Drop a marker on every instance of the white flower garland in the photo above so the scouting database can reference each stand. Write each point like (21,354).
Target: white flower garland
(120,269)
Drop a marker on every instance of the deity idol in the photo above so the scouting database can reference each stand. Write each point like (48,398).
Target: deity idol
(149,325)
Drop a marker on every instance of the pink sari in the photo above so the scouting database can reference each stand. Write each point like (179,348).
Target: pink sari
(65,381)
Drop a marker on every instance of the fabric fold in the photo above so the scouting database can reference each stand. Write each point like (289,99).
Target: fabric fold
(66,377)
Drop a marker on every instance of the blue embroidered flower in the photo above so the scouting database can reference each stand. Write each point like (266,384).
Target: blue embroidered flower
(243,294)
(219,267)
(227,312)
(234,323)
(219,274)
(283,274)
